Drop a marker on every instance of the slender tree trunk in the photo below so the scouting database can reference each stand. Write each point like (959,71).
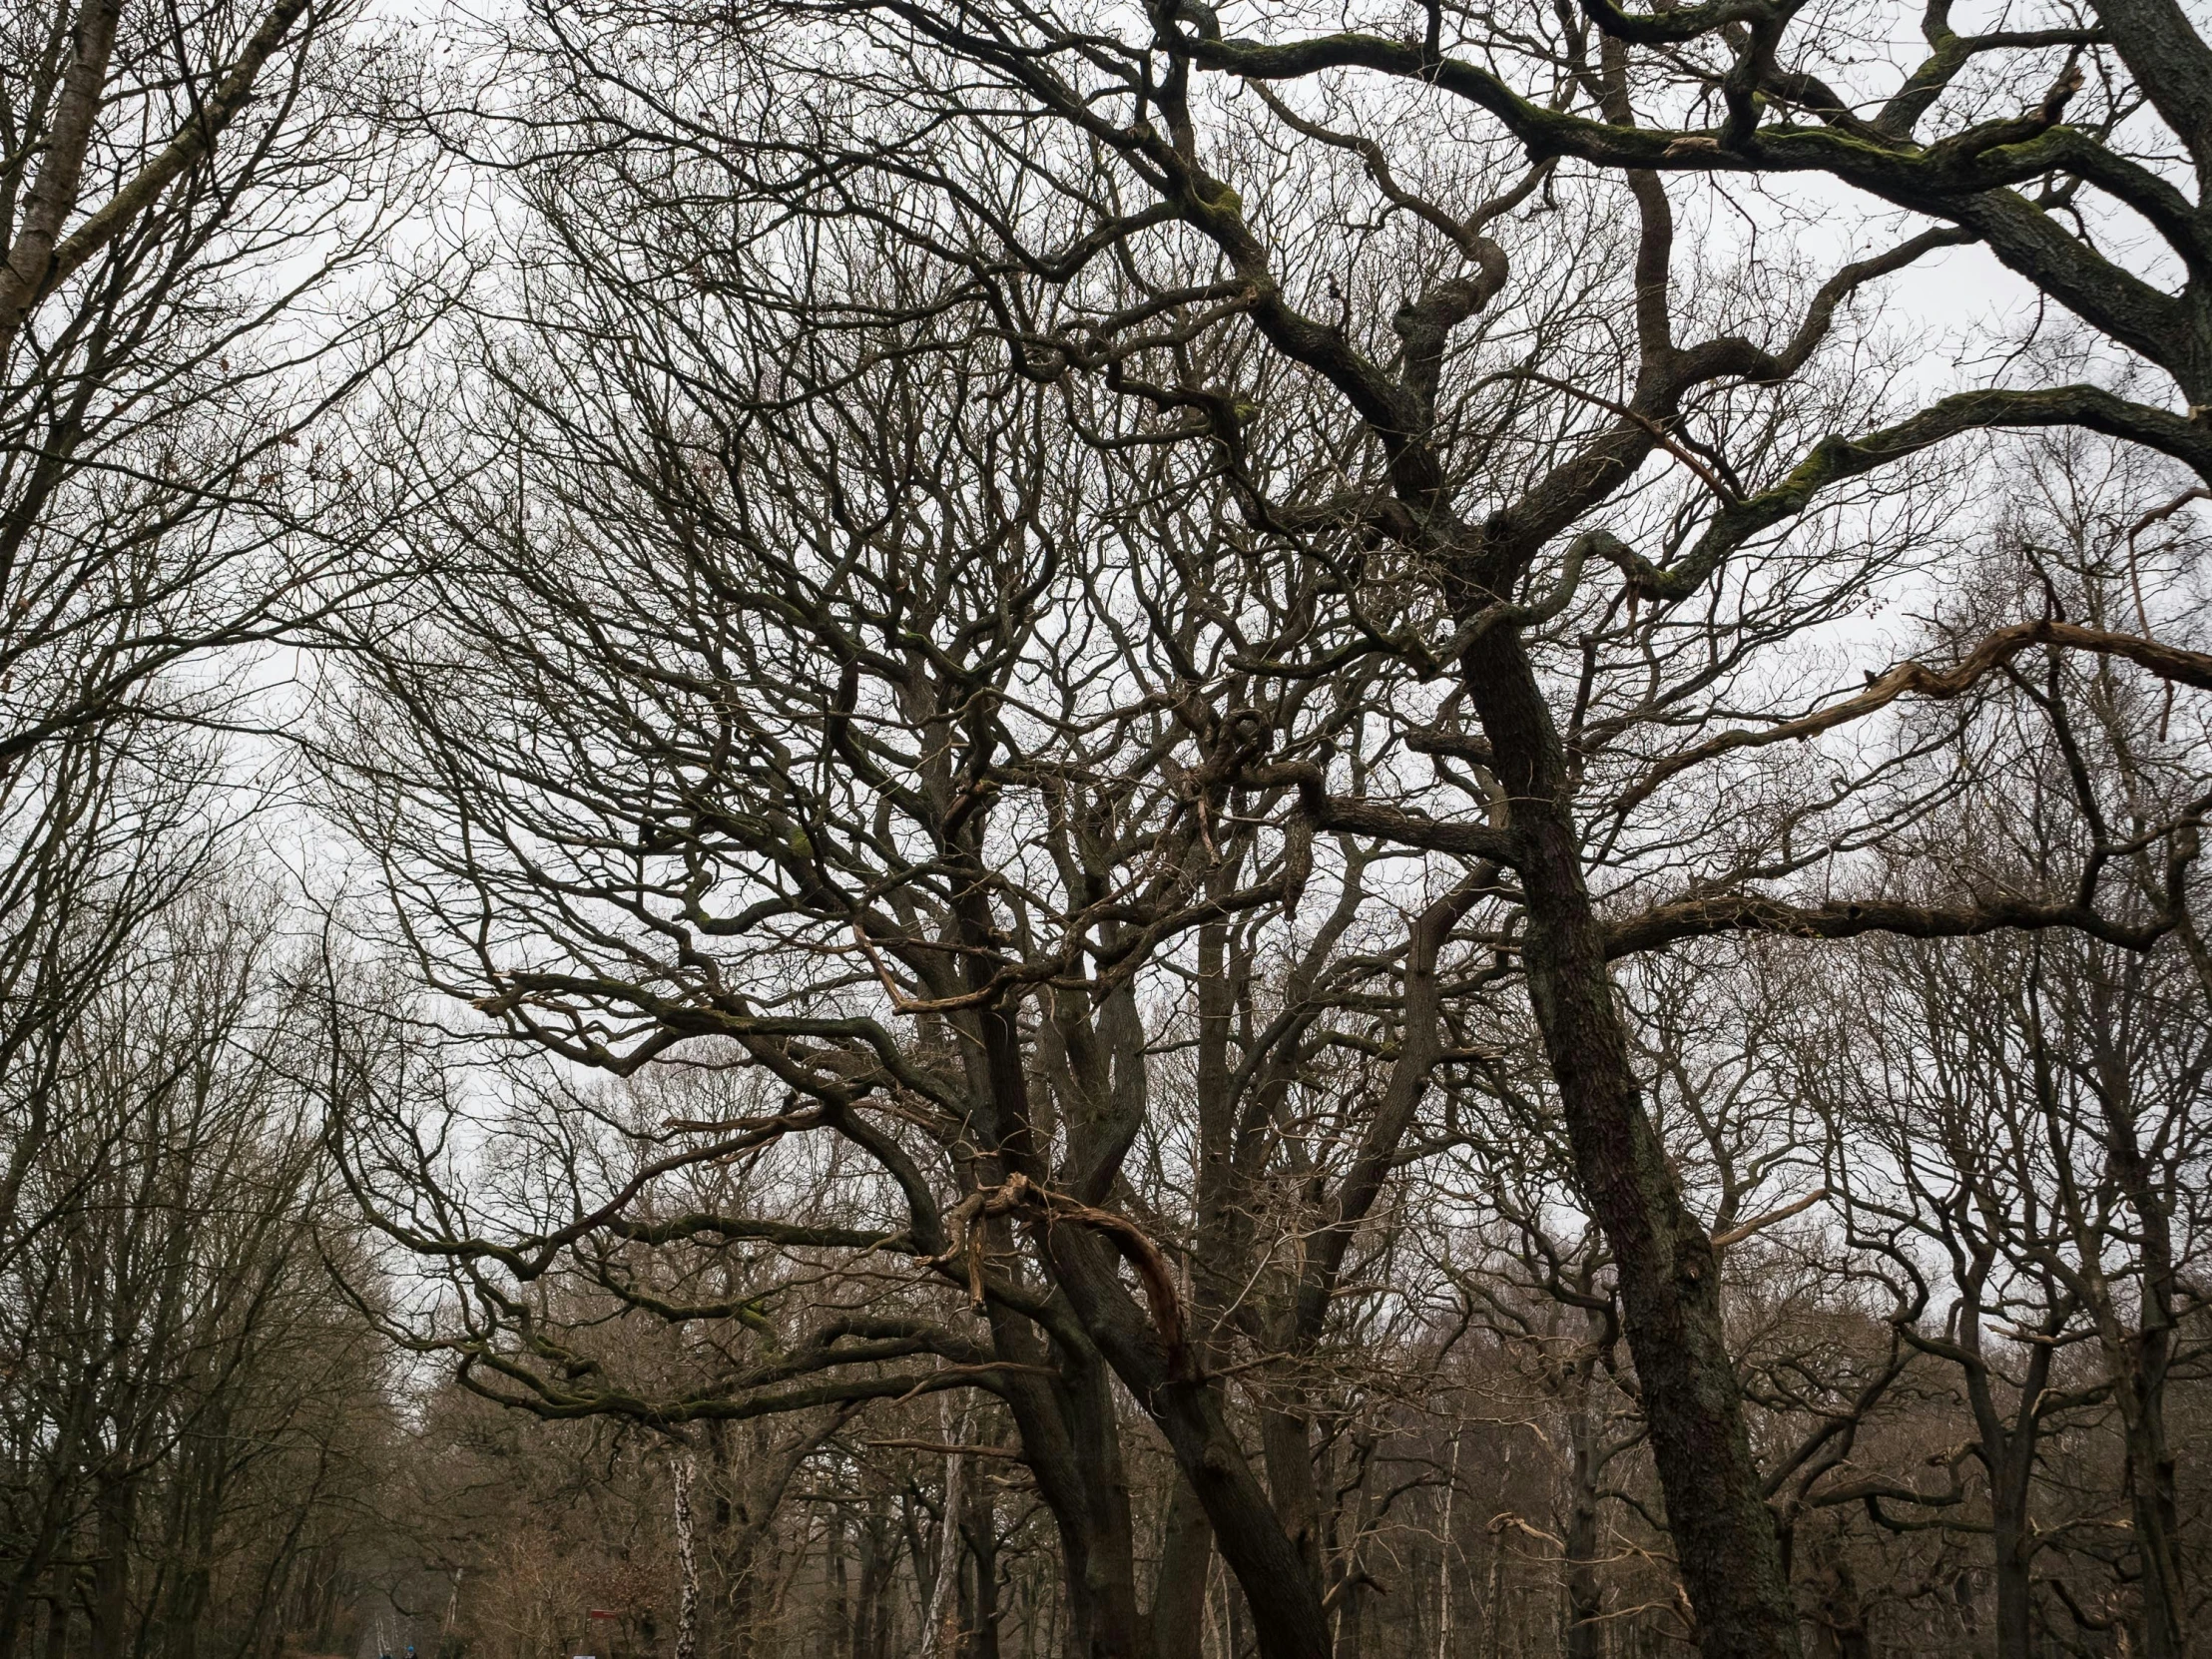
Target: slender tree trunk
(1723,1532)
(1493,1610)
(1351,1622)
(982,1527)
(1444,1606)
(940,1624)
(687,1567)
(836,1612)
(1585,1595)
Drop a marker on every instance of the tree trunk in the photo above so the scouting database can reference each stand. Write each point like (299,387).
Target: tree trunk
(729,1555)
(2014,1637)
(686,1566)
(872,1608)
(941,1623)
(1351,1622)
(1286,1442)
(982,1529)
(2011,1469)
(1178,1618)
(53,193)
(1285,1601)
(1071,1441)
(114,1508)
(1841,1632)
(1280,1594)
(1723,1532)
(2139,1362)
(1585,1595)
(2156,1515)
(836,1608)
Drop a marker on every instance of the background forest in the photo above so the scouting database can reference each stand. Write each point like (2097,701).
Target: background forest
(1108,830)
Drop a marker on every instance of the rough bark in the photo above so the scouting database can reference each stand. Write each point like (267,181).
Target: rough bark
(687,1567)
(1287,1614)
(1071,1442)
(1286,1441)
(1178,1617)
(1669,1276)
(2139,1362)
(979,1525)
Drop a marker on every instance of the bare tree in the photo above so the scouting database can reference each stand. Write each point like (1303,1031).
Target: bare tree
(175,193)
(189,1412)
(1111,209)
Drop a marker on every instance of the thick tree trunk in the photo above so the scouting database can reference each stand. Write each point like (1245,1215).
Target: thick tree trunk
(1286,1443)
(1071,1441)
(2007,1451)
(114,1508)
(2139,1360)
(1178,1617)
(2015,1639)
(1285,1603)
(2157,1520)
(2010,1461)
(871,1607)
(734,1538)
(1279,1590)
(1669,1276)
(53,193)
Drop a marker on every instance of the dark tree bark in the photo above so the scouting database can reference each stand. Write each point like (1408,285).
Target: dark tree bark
(1178,1615)
(1585,1593)
(1669,1277)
